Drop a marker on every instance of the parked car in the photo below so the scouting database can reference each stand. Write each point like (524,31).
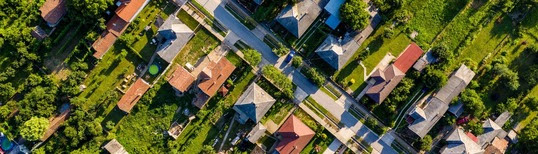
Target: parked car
(289,57)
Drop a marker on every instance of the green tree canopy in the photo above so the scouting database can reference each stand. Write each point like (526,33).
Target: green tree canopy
(252,56)
(528,137)
(354,13)
(434,78)
(87,10)
(473,103)
(426,143)
(34,129)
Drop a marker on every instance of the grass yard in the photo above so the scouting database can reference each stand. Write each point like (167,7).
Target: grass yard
(431,16)
(187,19)
(234,58)
(321,141)
(269,10)
(307,120)
(202,43)
(279,111)
(378,47)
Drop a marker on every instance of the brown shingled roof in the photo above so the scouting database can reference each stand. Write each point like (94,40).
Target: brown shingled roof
(53,10)
(295,136)
(180,79)
(219,73)
(133,94)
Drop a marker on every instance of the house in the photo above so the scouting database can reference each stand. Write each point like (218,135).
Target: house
(491,131)
(384,81)
(253,104)
(294,135)
(211,77)
(52,11)
(180,79)
(498,146)
(133,94)
(456,109)
(421,63)
(460,142)
(172,35)
(422,118)
(125,14)
(56,122)
(335,51)
(256,133)
(297,18)
(333,7)
(114,147)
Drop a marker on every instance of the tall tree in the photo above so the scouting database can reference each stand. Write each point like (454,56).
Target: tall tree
(354,13)
(87,10)
(34,128)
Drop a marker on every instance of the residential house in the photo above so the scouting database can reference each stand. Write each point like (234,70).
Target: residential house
(52,11)
(428,58)
(335,51)
(460,142)
(426,114)
(180,79)
(133,94)
(172,35)
(211,77)
(294,135)
(333,8)
(114,147)
(253,104)
(256,133)
(124,15)
(56,122)
(384,81)
(456,109)
(498,146)
(493,129)
(296,18)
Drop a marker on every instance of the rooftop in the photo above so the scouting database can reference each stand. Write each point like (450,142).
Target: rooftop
(408,57)
(297,18)
(385,82)
(256,133)
(491,131)
(333,7)
(253,104)
(133,94)
(459,142)
(180,79)
(52,11)
(220,71)
(114,147)
(334,50)
(295,136)
(175,35)
(130,8)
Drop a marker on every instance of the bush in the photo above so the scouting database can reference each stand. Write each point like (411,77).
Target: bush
(34,129)
(434,78)
(425,143)
(388,32)
(315,76)
(475,127)
(281,51)
(252,56)
(473,104)
(297,61)
(279,79)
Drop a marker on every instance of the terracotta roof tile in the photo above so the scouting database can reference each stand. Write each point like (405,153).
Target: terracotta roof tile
(53,10)
(128,9)
(408,57)
(133,94)
(116,25)
(295,136)
(219,73)
(103,43)
(180,79)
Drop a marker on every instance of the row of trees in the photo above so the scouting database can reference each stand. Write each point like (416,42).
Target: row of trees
(279,79)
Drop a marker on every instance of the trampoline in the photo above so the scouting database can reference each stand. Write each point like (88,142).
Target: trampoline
(153,69)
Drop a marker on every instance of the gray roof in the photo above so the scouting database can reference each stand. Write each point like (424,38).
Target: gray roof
(253,104)
(491,130)
(436,106)
(335,51)
(297,18)
(459,142)
(501,120)
(426,59)
(433,110)
(256,133)
(456,109)
(114,147)
(259,2)
(457,82)
(385,82)
(175,35)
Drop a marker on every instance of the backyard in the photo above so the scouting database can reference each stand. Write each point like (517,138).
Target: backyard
(321,139)
(200,45)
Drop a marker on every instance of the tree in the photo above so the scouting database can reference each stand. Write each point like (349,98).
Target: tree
(314,75)
(34,129)
(283,50)
(402,16)
(528,138)
(434,78)
(473,103)
(443,55)
(252,56)
(531,76)
(508,78)
(475,127)
(532,103)
(354,13)
(6,91)
(425,143)
(87,10)
(297,61)
(208,149)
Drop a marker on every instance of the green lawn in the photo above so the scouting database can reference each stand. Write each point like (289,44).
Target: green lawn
(431,16)
(202,43)
(319,140)
(307,120)
(234,58)
(187,19)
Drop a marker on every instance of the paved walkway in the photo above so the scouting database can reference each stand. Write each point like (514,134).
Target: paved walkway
(333,147)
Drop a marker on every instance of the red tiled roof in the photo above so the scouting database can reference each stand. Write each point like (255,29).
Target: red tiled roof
(472,137)
(408,57)
(116,25)
(219,73)
(129,8)
(103,43)
(53,10)
(180,79)
(55,123)
(295,136)
(133,94)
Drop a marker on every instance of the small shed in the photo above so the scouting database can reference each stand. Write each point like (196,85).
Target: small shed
(256,133)
(114,147)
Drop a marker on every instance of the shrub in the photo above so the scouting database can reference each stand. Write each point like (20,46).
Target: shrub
(425,143)
(281,51)
(252,56)
(297,61)
(314,75)
(34,128)
(354,14)
(434,78)
(388,32)
(279,79)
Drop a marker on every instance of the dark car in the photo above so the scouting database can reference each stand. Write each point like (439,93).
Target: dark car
(289,57)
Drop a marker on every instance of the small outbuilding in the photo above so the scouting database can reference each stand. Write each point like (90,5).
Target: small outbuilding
(114,147)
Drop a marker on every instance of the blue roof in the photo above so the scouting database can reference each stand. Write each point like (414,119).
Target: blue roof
(333,7)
